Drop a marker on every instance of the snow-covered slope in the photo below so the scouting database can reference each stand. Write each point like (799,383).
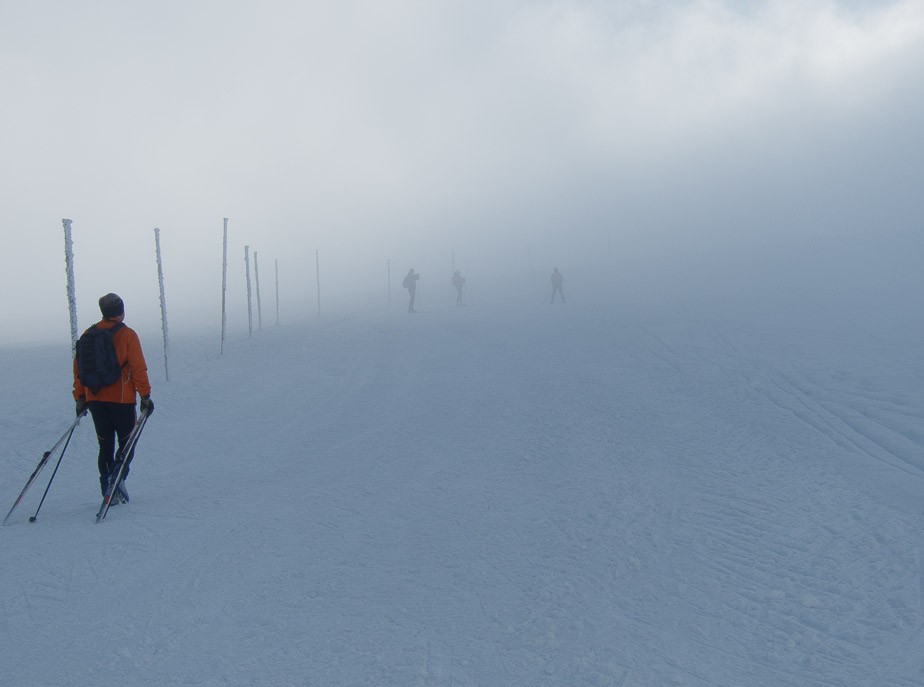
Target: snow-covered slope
(472,496)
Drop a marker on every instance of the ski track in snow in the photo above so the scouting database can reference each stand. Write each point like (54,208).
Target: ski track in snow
(479,497)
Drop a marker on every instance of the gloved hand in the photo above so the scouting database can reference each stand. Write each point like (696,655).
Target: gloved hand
(147,405)
(81,406)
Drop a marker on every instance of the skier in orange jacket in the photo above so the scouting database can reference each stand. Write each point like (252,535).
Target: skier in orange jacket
(113,407)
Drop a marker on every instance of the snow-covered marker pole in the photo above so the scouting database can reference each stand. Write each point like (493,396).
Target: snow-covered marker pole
(71,291)
(317,269)
(249,294)
(163,304)
(256,276)
(277,292)
(224,286)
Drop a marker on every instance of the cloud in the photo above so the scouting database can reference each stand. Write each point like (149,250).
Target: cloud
(667,127)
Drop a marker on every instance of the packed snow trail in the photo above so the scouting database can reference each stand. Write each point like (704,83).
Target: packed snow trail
(479,497)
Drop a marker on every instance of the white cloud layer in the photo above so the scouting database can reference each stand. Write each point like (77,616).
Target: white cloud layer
(400,130)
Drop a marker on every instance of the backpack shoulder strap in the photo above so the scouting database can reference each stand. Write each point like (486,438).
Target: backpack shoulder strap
(112,330)
(116,326)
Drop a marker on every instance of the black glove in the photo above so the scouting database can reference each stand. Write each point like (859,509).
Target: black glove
(81,406)
(147,405)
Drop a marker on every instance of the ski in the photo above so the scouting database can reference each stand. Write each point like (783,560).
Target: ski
(120,463)
(65,439)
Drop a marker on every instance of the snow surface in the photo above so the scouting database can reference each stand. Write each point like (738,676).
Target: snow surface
(477,496)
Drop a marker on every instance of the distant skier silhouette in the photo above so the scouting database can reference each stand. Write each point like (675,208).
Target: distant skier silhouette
(410,283)
(459,282)
(557,279)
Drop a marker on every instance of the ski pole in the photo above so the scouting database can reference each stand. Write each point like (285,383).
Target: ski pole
(54,472)
(41,464)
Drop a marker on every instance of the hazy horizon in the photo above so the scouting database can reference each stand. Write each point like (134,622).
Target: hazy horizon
(660,148)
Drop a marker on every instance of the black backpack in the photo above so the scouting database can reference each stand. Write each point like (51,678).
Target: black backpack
(97,362)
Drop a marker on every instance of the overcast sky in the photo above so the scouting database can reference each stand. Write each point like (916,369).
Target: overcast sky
(638,136)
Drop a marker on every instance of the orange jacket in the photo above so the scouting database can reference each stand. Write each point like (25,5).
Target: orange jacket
(134,370)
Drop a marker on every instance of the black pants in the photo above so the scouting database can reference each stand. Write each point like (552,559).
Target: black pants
(112,421)
(410,306)
(557,289)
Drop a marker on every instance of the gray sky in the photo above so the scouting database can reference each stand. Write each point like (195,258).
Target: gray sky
(656,140)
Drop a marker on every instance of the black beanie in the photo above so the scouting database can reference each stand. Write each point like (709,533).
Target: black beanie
(111,305)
